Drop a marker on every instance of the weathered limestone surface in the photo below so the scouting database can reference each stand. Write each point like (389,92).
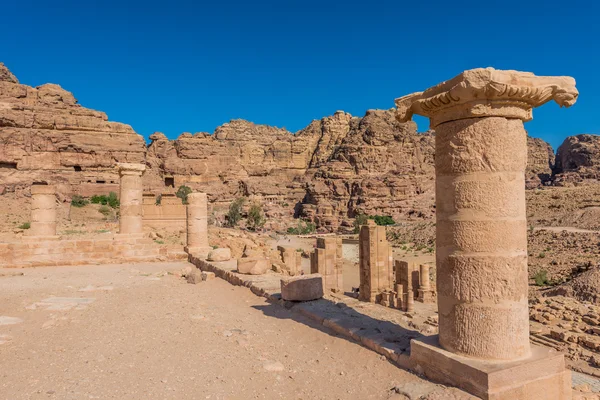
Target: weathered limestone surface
(326,260)
(220,254)
(131,187)
(43,210)
(253,265)
(302,288)
(375,263)
(481,229)
(197,224)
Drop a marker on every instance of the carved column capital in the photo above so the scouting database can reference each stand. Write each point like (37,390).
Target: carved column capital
(487,92)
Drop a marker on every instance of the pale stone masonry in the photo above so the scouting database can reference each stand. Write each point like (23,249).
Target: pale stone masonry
(292,260)
(43,210)
(131,189)
(425,293)
(327,261)
(197,224)
(481,234)
(375,258)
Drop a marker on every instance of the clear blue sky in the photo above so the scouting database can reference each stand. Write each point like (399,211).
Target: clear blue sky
(176,66)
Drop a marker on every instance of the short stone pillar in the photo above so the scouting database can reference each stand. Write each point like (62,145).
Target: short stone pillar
(425,293)
(327,261)
(130,198)
(43,210)
(197,225)
(481,234)
(375,263)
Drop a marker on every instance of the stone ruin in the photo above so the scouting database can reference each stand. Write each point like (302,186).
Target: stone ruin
(326,260)
(481,243)
(375,265)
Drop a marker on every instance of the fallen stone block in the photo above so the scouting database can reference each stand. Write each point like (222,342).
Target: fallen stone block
(195,276)
(221,254)
(253,266)
(302,288)
(207,275)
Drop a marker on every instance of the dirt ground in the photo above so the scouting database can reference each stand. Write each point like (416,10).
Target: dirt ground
(137,332)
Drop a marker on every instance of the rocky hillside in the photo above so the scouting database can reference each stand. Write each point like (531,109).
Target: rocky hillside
(330,171)
(46,135)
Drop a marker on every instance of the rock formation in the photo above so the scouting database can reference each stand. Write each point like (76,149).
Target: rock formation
(330,171)
(46,135)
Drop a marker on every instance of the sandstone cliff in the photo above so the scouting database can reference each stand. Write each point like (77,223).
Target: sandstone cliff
(578,159)
(330,171)
(46,135)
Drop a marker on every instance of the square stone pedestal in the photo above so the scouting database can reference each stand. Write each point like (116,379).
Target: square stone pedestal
(542,376)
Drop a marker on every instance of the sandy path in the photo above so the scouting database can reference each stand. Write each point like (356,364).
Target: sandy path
(145,335)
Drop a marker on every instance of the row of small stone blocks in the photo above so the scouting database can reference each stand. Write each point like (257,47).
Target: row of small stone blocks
(271,292)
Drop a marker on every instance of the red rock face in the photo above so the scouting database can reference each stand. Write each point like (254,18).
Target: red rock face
(330,171)
(578,159)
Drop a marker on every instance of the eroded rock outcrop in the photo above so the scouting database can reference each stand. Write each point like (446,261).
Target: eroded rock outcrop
(46,135)
(578,159)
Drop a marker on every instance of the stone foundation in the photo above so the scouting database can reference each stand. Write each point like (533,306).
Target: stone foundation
(542,375)
(327,260)
(117,249)
(375,268)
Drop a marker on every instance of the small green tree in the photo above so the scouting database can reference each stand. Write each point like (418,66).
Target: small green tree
(541,278)
(360,220)
(256,217)
(183,192)
(235,211)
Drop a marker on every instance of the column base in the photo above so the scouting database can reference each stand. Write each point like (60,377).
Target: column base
(426,296)
(200,252)
(541,376)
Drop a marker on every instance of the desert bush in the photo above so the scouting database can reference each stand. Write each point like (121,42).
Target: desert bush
(303,228)
(105,210)
(383,220)
(541,278)
(111,200)
(25,225)
(235,211)
(78,201)
(256,217)
(158,200)
(183,193)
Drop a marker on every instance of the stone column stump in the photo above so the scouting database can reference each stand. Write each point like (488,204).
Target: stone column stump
(130,197)
(197,225)
(43,211)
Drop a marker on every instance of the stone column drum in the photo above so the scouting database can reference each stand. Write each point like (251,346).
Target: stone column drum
(197,224)
(481,227)
(131,189)
(43,210)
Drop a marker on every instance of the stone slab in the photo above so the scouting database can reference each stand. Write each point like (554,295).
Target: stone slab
(302,288)
(541,376)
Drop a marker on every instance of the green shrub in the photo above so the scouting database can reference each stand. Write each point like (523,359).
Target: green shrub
(25,225)
(78,201)
(256,217)
(111,200)
(541,278)
(105,210)
(383,220)
(542,255)
(158,200)
(303,228)
(235,211)
(183,192)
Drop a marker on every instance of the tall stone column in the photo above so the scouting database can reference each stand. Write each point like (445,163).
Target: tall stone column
(131,189)
(197,224)
(43,210)
(481,229)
